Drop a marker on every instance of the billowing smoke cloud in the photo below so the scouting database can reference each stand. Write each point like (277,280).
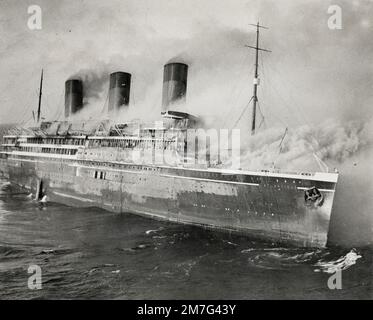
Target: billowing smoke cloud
(332,142)
(95,81)
(207,76)
(305,63)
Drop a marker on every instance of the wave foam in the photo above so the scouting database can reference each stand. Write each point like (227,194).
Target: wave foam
(340,264)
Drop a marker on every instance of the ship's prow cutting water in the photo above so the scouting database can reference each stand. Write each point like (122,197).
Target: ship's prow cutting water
(116,166)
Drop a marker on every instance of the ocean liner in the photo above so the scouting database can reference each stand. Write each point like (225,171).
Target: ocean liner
(121,167)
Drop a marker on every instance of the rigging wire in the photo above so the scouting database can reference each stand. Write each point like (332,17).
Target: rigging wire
(301,116)
(235,87)
(260,124)
(46,104)
(262,115)
(283,102)
(24,118)
(105,106)
(242,113)
(26,108)
(58,112)
(282,140)
(269,85)
(246,105)
(242,64)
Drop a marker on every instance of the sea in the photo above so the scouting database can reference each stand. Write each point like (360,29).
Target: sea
(94,254)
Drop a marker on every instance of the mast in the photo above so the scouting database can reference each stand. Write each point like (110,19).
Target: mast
(254,98)
(40,93)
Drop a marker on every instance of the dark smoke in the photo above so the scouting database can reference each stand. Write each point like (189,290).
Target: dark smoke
(95,81)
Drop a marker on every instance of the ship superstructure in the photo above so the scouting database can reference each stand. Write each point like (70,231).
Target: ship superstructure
(147,169)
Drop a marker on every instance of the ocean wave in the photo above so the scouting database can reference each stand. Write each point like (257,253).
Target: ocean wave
(188,265)
(10,252)
(281,258)
(230,243)
(4,184)
(340,264)
(136,248)
(153,231)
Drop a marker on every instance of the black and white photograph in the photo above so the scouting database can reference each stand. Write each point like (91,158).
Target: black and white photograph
(204,152)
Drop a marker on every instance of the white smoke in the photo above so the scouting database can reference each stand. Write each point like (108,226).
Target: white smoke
(334,142)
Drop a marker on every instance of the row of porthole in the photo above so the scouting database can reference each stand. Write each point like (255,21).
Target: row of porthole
(205,174)
(285,181)
(103,175)
(279,188)
(105,164)
(238,210)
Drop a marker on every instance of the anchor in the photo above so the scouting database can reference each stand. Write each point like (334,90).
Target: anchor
(313,196)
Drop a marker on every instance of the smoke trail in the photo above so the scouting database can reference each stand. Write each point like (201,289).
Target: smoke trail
(332,141)
(95,80)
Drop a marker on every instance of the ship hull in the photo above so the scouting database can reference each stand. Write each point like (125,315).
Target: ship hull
(262,206)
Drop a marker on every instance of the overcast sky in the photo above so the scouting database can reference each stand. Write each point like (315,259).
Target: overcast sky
(313,73)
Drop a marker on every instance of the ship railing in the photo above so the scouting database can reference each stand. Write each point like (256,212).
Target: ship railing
(220,166)
(20,131)
(287,172)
